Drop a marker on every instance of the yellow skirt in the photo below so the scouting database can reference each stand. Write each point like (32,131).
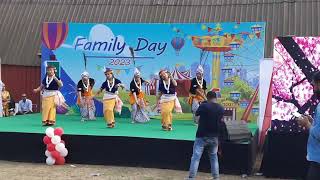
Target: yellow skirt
(166,113)
(48,110)
(108,106)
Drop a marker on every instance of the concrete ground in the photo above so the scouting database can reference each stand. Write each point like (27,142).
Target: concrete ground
(36,171)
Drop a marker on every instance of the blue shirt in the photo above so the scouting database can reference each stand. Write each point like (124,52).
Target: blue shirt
(194,85)
(313,147)
(52,86)
(162,89)
(211,115)
(114,88)
(134,88)
(25,106)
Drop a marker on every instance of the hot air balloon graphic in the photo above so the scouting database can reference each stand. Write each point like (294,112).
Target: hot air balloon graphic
(177,43)
(53,35)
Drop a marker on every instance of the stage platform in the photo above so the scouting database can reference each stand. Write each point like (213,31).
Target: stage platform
(128,144)
(285,155)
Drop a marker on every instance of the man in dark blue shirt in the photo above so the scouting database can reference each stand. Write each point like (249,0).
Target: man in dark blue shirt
(211,115)
(313,125)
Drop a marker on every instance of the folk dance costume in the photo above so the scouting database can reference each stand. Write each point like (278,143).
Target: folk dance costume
(111,100)
(137,100)
(168,101)
(197,92)
(85,97)
(5,95)
(51,97)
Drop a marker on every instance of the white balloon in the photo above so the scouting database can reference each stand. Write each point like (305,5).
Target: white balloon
(48,154)
(50,161)
(56,139)
(64,152)
(50,132)
(59,147)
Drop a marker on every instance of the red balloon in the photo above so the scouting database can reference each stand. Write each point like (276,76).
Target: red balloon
(51,147)
(60,161)
(58,131)
(55,154)
(46,140)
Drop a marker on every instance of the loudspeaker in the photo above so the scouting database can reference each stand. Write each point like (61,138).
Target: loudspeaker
(237,131)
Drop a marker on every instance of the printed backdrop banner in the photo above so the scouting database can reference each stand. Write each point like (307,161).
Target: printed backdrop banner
(229,52)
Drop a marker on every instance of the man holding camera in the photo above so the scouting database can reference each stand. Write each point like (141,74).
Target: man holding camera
(313,125)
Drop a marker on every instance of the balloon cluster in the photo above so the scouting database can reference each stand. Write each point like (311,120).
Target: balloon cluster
(56,150)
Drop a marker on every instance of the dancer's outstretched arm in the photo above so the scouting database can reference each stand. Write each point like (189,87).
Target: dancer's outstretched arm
(38,89)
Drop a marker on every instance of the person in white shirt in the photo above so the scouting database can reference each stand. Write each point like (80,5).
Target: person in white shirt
(25,105)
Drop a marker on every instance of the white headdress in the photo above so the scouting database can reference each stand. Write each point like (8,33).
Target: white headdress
(136,72)
(200,69)
(85,74)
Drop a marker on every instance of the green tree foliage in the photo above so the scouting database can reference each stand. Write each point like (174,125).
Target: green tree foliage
(239,85)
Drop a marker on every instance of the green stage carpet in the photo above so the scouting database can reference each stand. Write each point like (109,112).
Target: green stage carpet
(182,129)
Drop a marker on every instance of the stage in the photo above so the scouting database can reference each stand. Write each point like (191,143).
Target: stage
(128,144)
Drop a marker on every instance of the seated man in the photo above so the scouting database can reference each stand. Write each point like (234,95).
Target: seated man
(25,105)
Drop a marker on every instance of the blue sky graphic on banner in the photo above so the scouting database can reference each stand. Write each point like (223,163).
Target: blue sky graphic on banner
(226,50)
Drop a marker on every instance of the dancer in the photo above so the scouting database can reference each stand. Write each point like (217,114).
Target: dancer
(51,96)
(167,99)
(111,99)
(137,99)
(85,97)
(197,91)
